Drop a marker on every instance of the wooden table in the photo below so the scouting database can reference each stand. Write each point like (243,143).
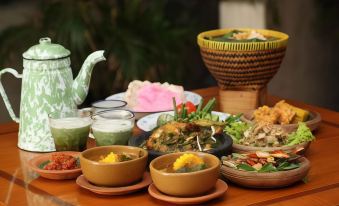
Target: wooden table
(20,186)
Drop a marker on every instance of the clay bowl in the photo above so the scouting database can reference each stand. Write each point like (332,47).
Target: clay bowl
(313,122)
(245,149)
(184,184)
(54,174)
(113,174)
(266,180)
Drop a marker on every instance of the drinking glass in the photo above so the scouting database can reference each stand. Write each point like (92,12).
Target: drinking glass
(104,105)
(113,127)
(70,129)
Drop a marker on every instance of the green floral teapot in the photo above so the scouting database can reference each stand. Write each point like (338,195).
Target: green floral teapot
(47,86)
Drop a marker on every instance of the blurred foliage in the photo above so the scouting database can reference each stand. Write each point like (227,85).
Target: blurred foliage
(139,40)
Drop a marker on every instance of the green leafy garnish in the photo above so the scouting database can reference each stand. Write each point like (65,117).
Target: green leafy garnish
(268,168)
(245,167)
(43,164)
(191,169)
(78,162)
(236,130)
(238,156)
(303,134)
(291,166)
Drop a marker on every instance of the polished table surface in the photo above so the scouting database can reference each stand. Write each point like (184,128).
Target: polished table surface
(21,186)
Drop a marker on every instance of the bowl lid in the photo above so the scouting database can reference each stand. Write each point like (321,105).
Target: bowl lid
(46,50)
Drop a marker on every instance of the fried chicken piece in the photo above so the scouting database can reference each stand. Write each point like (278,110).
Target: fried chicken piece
(286,113)
(265,114)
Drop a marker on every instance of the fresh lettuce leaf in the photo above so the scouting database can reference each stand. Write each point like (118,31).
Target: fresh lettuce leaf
(236,130)
(303,134)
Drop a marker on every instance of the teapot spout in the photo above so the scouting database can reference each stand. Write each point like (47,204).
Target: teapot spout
(81,82)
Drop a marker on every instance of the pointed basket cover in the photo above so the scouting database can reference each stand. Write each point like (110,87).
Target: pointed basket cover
(242,65)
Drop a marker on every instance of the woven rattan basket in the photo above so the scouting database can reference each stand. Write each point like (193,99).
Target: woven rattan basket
(242,65)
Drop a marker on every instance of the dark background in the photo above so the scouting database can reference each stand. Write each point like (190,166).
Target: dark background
(156,40)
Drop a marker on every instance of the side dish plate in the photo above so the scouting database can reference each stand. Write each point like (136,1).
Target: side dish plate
(313,122)
(266,180)
(149,122)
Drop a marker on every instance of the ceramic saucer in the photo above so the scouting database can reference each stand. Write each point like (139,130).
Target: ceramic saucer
(146,180)
(54,174)
(219,189)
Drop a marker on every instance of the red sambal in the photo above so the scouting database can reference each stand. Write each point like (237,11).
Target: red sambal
(62,162)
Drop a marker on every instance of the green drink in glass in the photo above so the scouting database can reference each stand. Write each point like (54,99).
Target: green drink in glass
(113,127)
(70,130)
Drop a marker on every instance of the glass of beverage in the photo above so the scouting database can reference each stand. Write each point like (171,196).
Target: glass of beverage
(70,129)
(113,127)
(104,105)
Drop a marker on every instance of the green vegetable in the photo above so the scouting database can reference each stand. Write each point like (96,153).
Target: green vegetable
(78,162)
(268,168)
(236,130)
(238,156)
(200,105)
(215,117)
(184,111)
(164,118)
(233,118)
(209,106)
(303,134)
(200,113)
(290,166)
(191,169)
(245,167)
(43,164)
(175,109)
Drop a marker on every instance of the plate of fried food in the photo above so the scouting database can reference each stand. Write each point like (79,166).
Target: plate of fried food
(284,115)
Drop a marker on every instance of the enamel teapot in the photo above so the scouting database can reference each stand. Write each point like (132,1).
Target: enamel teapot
(47,87)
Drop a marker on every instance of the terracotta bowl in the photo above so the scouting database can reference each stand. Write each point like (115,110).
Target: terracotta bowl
(113,174)
(266,180)
(313,122)
(245,149)
(184,184)
(54,174)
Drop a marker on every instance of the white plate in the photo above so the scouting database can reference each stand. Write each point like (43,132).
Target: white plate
(190,96)
(149,122)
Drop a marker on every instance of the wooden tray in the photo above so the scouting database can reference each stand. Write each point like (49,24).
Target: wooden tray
(312,123)
(266,180)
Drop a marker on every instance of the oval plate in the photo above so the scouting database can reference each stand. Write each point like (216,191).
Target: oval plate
(149,122)
(269,179)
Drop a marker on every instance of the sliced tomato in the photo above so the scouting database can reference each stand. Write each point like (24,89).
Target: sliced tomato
(250,162)
(252,155)
(190,107)
(279,154)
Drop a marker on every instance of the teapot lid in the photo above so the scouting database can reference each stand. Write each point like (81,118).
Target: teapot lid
(46,50)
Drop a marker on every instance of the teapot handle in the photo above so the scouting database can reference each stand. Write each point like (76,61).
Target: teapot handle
(4,95)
